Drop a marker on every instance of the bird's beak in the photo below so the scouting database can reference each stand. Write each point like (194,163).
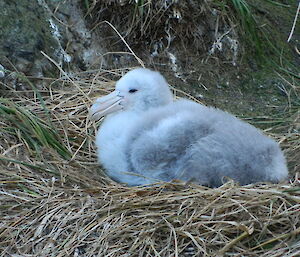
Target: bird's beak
(106,105)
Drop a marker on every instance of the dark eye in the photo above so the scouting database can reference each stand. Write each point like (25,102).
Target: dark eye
(132,91)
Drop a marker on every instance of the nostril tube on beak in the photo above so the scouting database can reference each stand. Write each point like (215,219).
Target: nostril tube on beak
(106,105)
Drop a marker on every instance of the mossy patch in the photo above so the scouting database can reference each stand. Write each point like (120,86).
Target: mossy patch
(22,31)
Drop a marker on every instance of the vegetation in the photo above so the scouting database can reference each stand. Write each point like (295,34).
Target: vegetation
(30,128)
(149,23)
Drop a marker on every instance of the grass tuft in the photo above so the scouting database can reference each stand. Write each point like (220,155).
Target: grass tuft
(248,25)
(31,129)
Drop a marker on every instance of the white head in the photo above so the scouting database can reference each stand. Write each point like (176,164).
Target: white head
(138,90)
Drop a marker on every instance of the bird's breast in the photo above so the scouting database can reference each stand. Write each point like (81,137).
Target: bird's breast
(112,137)
(117,125)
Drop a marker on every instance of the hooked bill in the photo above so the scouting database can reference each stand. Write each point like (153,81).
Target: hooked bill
(106,105)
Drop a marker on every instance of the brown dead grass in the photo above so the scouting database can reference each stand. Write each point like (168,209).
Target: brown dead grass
(56,207)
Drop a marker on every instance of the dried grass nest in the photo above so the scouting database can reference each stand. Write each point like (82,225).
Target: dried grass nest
(53,204)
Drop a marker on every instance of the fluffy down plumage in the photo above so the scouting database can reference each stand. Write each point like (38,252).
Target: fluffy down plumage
(147,137)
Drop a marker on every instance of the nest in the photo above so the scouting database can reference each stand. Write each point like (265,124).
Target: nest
(56,201)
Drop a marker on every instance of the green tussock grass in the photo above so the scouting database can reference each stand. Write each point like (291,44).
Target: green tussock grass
(248,24)
(30,129)
(258,33)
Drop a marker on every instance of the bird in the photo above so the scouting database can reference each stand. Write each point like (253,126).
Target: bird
(147,137)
